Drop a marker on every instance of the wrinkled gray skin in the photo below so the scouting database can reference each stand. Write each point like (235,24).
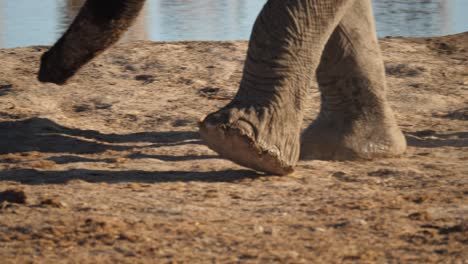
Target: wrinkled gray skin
(292,42)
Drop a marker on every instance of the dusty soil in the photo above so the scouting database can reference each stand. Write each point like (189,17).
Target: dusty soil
(110,167)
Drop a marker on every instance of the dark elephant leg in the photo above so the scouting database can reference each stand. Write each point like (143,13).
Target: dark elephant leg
(260,128)
(355,120)
(99,24)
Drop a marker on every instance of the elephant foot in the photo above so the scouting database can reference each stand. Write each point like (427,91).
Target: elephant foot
(254,137)
(336,137)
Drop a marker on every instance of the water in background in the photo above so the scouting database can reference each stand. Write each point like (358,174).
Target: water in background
(32,22)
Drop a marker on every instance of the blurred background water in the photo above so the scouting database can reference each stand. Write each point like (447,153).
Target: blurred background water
(41,22)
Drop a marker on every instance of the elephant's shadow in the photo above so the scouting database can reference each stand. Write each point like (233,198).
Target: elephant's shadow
(431,139)
(36,177)
(45,136)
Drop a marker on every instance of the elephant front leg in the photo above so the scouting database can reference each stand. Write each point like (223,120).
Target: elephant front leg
(99,24)
(260,128)
(355,120)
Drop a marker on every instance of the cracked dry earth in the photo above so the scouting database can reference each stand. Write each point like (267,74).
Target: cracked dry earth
(110,167)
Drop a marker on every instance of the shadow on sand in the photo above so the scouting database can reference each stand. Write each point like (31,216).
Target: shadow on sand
(34,177)
(431,139)
(45,136)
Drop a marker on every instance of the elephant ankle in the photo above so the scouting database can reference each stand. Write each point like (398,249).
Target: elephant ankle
(354,95)
(339,137)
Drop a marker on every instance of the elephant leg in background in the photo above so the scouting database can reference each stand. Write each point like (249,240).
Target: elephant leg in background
(99,24)
(355,120)
(260,127)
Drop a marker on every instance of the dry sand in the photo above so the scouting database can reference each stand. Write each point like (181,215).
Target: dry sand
(110,167)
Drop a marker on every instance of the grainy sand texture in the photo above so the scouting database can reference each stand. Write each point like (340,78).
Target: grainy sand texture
(110,168)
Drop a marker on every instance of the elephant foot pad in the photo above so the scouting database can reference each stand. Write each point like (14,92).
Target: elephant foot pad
(235,144)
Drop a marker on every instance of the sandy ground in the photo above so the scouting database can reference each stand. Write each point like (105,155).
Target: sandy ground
(110,167)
